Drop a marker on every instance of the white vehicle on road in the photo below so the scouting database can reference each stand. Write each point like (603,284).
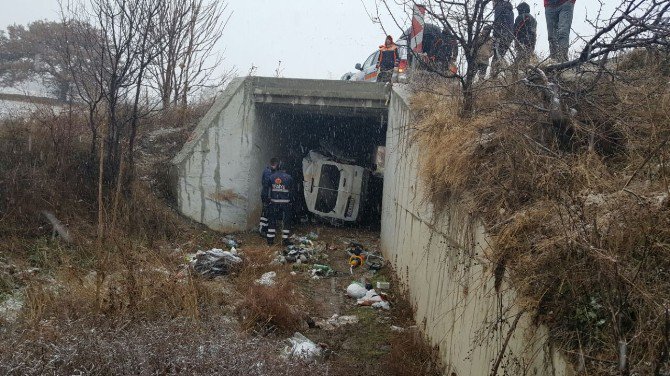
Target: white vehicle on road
(334,190)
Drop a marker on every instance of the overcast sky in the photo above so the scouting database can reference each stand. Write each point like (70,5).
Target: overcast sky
(312,38)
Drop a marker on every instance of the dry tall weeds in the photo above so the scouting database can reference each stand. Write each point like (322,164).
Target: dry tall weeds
(579,213)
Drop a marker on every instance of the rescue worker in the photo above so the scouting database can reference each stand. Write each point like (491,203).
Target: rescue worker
(525,35)
(281,204)
(503,26)
(446,52)
(266,184)
(388,60)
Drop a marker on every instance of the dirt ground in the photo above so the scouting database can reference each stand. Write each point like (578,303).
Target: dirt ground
(220,341)
(354,349)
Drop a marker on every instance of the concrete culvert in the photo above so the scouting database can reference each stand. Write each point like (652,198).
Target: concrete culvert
(258,118)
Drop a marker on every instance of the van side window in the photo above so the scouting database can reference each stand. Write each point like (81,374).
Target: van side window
(329,182)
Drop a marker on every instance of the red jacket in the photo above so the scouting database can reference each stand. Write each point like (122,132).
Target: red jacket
(556,3)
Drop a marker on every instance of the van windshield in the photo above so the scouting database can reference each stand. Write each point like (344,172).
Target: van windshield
(329,181)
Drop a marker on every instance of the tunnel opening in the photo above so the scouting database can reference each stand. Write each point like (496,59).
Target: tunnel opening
(347,138)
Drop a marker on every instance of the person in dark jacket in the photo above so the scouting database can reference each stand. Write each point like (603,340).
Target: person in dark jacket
(503,27)
(388,60)
(446,52)
(281,204)
(265,194)
(525,35)
(559,21)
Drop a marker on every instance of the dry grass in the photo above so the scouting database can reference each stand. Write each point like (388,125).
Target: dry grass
(589,257)
(176,347)
(279,307)
(272,308)
(125,283)
(410,351)
(411,355)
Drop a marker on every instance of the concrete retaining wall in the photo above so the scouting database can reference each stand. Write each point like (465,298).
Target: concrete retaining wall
(213,168)
(439,258)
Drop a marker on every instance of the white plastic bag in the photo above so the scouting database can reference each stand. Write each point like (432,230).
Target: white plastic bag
(356,290)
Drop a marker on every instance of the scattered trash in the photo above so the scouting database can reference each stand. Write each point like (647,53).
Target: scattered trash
(215,262)
(322,270)
(359,256)
(369,298)
(356,256)
(336,321)
(383,304)
(383,285)
(267,279)
(302,251)
(312,236)
(230,241)
(303,240)
(301,347)
(356,290)
(397,329)
(375,262)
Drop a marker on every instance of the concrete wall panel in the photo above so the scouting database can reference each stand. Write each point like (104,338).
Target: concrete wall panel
(213,167)
(440,259)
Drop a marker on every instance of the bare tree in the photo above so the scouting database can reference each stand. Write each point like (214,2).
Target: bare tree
(633,24)
(189,31)
(110,74)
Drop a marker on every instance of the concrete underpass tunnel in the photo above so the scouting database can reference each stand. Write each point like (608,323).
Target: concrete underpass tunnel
(290,132)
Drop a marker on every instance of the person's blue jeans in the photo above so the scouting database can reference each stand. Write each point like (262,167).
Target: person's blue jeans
(559,21)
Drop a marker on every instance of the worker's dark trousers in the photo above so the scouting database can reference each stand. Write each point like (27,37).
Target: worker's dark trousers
(279,212)
(263,225)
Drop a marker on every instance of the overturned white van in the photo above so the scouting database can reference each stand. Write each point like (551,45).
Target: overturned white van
(334,190)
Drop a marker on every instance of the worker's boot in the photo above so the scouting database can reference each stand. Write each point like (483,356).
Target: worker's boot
(270,236)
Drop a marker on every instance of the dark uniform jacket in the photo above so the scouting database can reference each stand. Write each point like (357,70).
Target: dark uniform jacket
(281,191)
(388,57)
(266,183)
(525,28)
(446,48)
